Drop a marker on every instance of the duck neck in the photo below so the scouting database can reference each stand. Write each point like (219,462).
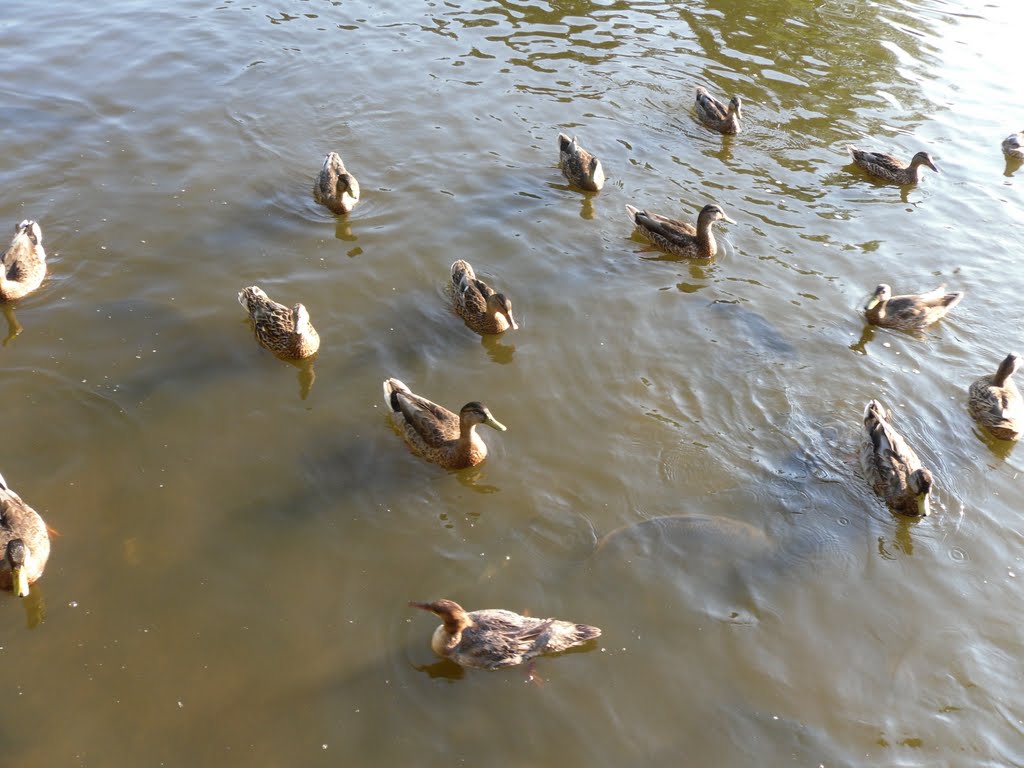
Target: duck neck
(1005,371)
(706,238)
(472,449)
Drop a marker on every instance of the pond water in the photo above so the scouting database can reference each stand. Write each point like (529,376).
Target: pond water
(236,538)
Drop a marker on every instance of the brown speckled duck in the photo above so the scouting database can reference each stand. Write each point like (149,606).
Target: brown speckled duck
(484,310)
(24,542)
(335,187)
(716,115)
(678,237)
(1013,146)
(434,432)
(285,332)
(579,167)
(891,467)
(912,312)
(494,638)
(995,402)
(889,168)
(23,263)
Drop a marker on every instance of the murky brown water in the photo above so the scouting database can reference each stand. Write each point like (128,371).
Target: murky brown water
(230,579)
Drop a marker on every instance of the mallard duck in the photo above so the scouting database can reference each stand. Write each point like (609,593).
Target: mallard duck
(434,432)
(912,312)
(889,168)
(716,115)
(890,465)
(285,332)
(24,262)
(24,542)
(581,168)
(678,237)
(335,187)
(1013,146)
(995,402)
(476,302)
(494,638)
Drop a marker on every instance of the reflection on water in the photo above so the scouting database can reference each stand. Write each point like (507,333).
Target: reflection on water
(235,560)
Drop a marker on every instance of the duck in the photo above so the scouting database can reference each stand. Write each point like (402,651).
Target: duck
(335,187)
(890,168)
(912,312)
(579,167)
(286,332)
(678,237)
(494,638)
(434,432)
(1013,146)
(891,467)
(24,262)
(483,310)
(24,542)
(716,115)
(995,402)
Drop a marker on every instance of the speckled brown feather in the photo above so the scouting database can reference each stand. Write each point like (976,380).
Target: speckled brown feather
(678,237)
(23,262)
(434,432)
(483,310)
(716,115)
(890,168)
(285,332)
(495,638)
(909,312)
(335,187)
(19,521)
(889,462)
(580,168)
(995,402)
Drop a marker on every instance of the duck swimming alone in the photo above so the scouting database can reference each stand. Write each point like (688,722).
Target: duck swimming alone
(891,467)
(285,332)
(995,402)
(910,312)
(477,303)
(889,168)
(24,542)
(494,638)
(579,167)
(678,237)
(24,262)
(335,187)
(434,432)
(1013,146)
(716,115)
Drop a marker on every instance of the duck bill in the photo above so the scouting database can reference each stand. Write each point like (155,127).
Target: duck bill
(19,581)
(512,322)
(923,506)
(932,166)
(874,302)
(726,218)
(493,422)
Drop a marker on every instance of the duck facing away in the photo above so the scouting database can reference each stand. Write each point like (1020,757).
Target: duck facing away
(891,467)
(494,638)
(889,168)
(579,167)
(678,237)
(434,432)
(911,312)
(335,187)
(24,262)
(484,310)
(995,402)
(716,115)
(1013,146)
(24,542)
(285,332)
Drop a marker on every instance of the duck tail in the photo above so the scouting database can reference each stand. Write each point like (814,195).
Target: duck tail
(391,389)
(950,300)
(461,269)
